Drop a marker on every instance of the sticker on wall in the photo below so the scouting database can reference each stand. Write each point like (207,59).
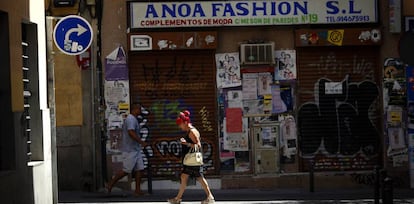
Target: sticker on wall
(140,42)
(373,35)
(335,37)
(309,38)
(189,41)
(209,39)
(84,60)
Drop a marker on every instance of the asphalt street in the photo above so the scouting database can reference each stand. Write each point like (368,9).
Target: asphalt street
(240,196)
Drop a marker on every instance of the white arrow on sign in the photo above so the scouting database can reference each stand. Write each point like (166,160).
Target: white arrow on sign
(80,29)
(75,45)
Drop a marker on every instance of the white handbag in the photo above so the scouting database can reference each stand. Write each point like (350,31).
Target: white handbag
(194,157)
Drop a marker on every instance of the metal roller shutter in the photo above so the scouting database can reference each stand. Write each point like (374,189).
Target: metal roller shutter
(165,83)
(339,114)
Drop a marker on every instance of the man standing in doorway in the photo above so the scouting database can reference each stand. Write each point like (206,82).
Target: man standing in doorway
(131,147)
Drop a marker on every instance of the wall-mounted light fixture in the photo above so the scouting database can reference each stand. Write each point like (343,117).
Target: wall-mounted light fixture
(64,3)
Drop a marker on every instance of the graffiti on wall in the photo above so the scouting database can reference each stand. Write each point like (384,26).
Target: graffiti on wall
(342,117)
(337,130)
(167,86)
(332,65)
(164,152)
(178,79)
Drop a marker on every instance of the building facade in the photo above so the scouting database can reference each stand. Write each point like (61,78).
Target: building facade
(326,110)
(277,90)
(27,172)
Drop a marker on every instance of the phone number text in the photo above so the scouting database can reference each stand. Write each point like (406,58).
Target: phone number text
(347,19)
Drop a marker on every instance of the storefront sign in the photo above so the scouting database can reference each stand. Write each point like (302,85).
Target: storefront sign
(250,13)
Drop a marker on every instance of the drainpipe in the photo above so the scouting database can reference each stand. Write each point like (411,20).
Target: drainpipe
(99,9)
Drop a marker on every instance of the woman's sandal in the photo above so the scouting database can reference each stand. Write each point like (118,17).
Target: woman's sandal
(208,201)
(174,201)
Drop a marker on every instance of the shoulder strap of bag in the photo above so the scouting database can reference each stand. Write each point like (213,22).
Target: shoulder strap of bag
(195,148)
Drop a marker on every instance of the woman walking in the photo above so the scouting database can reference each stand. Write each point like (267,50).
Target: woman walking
(191,140)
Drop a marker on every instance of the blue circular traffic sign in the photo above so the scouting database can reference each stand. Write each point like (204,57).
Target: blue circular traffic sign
(73,35)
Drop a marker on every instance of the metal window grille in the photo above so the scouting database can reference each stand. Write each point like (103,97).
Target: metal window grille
(26,94)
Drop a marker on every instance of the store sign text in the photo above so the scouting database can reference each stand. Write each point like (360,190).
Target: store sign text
(250,13)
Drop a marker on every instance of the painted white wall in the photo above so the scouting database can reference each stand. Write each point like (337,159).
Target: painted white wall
(42,171)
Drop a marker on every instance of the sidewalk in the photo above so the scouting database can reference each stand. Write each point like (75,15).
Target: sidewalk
(364,195)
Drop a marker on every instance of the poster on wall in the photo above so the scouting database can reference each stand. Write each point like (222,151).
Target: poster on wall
(264,82)
(116,67)
(242,161)
(288,137)
(234,120)
(228,70)
(395,92)
(287,96)
(278,105)
(397,144)
(236,141)
(410,96)
(268,137)
(411,156)
(227,160)
(253,107)
(226,156)
(234,99)
(117,102)
(286,64)
(394,115)
(267,104)
(115,165)
(115,141)
(250,86)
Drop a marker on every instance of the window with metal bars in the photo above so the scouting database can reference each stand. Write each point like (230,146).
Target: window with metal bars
(26,95)
(31,116)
